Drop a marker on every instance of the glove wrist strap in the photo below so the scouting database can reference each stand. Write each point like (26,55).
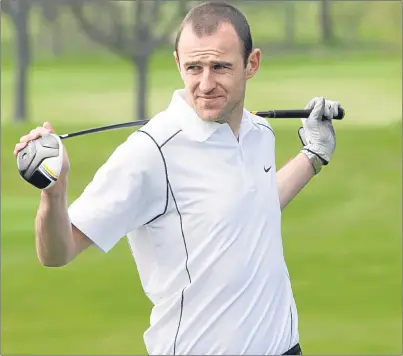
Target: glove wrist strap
(315,160)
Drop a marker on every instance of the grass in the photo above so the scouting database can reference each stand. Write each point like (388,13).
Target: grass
(368,86)
(342,235)
(346,271)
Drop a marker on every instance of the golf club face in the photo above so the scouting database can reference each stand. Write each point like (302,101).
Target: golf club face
(38,162)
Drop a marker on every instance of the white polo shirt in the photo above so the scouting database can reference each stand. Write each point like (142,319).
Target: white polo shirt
(202,216)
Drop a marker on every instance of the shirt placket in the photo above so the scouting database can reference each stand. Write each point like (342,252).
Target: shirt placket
(246,172)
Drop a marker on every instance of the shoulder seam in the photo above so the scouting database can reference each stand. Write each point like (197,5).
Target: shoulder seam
(170,138)
(166,176)
(267,127)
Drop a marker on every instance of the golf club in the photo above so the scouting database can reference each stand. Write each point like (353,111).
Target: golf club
(273,114)
(40,162)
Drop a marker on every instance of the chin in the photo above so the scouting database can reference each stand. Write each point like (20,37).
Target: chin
(210,116)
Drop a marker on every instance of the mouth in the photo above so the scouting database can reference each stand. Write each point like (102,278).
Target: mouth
(209,100)
(209,97)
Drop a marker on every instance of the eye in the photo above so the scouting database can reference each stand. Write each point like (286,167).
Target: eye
(193,68)
(219,67)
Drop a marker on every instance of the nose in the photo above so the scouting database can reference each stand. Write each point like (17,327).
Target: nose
(207,82)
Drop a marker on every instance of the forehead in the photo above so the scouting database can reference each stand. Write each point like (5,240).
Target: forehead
(222,43)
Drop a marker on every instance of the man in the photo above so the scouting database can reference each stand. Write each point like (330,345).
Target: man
(197,194)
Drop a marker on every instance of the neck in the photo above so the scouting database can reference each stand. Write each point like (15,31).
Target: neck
(234,119)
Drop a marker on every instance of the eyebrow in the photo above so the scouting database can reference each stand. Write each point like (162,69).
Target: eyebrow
(223,63)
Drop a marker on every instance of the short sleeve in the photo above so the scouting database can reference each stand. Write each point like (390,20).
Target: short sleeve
(127,191)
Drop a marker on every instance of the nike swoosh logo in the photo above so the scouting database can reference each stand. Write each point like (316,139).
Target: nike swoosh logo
(266,169)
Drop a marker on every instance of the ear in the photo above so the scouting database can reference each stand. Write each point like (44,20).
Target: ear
(253,63)
(176,60)
(175,54)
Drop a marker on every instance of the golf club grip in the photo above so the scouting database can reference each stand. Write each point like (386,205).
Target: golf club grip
(292,114)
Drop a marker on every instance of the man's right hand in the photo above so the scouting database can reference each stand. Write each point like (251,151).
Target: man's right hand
(40,131)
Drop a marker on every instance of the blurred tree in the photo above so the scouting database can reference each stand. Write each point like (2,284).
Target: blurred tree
(51,34)
(326,20)
(18,11)
(132,30)
(289,22)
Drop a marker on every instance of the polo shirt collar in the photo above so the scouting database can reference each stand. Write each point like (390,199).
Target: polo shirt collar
(198,129)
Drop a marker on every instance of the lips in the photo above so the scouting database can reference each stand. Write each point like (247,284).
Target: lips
(209,97)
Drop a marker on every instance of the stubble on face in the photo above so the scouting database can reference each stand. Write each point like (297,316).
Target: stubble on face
(213,72)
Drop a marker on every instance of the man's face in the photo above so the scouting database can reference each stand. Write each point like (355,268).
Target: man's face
(213,71)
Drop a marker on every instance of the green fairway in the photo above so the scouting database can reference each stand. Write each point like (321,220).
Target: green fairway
(91,92)
(342,235)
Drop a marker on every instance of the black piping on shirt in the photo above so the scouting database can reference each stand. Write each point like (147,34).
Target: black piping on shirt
(186,265)
(267,127)
(169,188)
(291,326)
(165,168)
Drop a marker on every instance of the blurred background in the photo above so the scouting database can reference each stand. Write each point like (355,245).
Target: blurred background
(81,64)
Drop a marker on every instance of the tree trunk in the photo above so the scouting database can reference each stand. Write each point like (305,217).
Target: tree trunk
(142,67)
(327,33)
(56,39)
(52,32)
(22,61)
(289,23)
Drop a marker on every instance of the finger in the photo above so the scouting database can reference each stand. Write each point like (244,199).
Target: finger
(48,126)
(328,109)
(311,103)
(318,109)
(19,147)
(34,134)
(331,109)
(310,106)
(336,107)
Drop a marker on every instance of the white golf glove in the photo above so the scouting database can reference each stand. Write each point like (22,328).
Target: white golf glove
(317,134)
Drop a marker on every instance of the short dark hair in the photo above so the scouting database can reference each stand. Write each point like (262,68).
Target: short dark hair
(206,17)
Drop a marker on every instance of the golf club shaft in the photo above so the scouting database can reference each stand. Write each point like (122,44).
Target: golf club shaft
(274,114)
(104,128)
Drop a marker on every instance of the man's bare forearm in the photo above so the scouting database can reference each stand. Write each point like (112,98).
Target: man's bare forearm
(293,177)
(54,237)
